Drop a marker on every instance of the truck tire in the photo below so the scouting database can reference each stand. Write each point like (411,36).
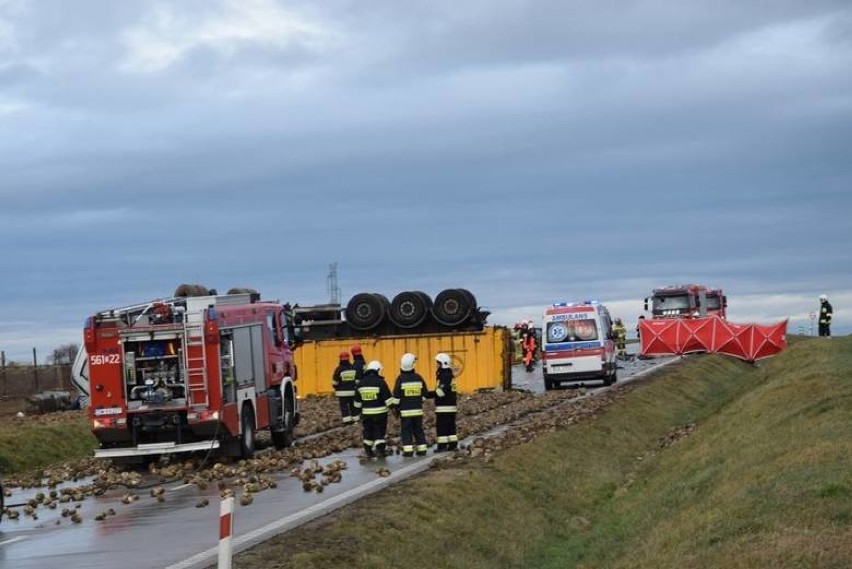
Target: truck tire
(241,290)
(366,310)
(282,438)
(453,306)
(548,384)
(409,309)
(247,433)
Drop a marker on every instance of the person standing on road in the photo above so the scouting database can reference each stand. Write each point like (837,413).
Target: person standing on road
(358,361)
(529,345)
(374,398)
(409,392)
(620,332)
(825,313)
(343,382)
(446,401)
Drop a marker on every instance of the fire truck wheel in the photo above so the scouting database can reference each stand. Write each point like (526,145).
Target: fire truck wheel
(247,433)
(283,437)
(548,384)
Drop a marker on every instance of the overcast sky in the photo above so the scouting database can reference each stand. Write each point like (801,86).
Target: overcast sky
(530,151)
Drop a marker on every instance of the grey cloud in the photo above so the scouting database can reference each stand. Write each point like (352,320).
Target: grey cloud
(536,152)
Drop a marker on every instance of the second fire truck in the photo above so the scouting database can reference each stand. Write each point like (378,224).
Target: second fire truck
(687,301)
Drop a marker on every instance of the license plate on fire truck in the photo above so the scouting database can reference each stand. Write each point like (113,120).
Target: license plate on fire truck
(107,411)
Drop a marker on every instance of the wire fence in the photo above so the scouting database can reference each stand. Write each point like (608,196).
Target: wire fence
(19,382)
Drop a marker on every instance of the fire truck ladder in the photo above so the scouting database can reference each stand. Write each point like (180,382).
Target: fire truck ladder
(195,360)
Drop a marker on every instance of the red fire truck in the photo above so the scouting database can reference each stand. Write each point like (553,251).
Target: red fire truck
(198,373)
(687,301)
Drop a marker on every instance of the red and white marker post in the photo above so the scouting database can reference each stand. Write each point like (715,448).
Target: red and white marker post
(226,532)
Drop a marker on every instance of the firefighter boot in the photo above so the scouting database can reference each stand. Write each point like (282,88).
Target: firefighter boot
(381,450)
(441,447)
(368,450)
(452,445)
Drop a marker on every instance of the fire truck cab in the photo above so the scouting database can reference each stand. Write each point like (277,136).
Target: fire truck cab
(687,301)
(577,344)
(191,374)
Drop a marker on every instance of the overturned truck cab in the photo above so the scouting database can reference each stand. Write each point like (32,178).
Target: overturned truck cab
(187,374)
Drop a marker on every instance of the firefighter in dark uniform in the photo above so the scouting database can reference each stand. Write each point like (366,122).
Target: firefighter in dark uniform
(343,382)
(445,404)
(409,392)
(358,361)
(825,313)
(374,399)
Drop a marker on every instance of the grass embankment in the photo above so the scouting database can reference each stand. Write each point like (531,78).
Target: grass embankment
(42,440)
(761,480)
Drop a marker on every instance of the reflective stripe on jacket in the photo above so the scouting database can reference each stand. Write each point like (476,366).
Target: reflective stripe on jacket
(409,393)
(446,396)
(373,396)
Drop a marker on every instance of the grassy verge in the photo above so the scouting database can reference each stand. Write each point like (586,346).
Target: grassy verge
(38,441)
(713,464)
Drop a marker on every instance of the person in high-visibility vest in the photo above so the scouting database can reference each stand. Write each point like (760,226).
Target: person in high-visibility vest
(620,333)
(446,401)
(374,399)
(343,382)
(825,313)
(409,392)
(529,346)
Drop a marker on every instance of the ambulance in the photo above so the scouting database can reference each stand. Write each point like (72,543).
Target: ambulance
(577,344)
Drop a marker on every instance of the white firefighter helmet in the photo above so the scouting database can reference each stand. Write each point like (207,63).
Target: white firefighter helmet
(444,360)
(375,366)
(823,298)
(406,363)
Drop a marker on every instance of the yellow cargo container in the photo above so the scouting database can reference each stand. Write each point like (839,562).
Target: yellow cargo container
(481,360)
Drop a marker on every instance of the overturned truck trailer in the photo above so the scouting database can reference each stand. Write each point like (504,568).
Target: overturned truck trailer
(411,322)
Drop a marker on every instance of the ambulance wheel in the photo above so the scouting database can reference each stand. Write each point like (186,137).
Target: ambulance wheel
(247,433)
(283,437)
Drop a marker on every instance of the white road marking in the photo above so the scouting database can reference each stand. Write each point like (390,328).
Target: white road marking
(13,540)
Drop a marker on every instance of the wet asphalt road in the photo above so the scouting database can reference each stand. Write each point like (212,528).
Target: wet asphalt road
(176,534)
